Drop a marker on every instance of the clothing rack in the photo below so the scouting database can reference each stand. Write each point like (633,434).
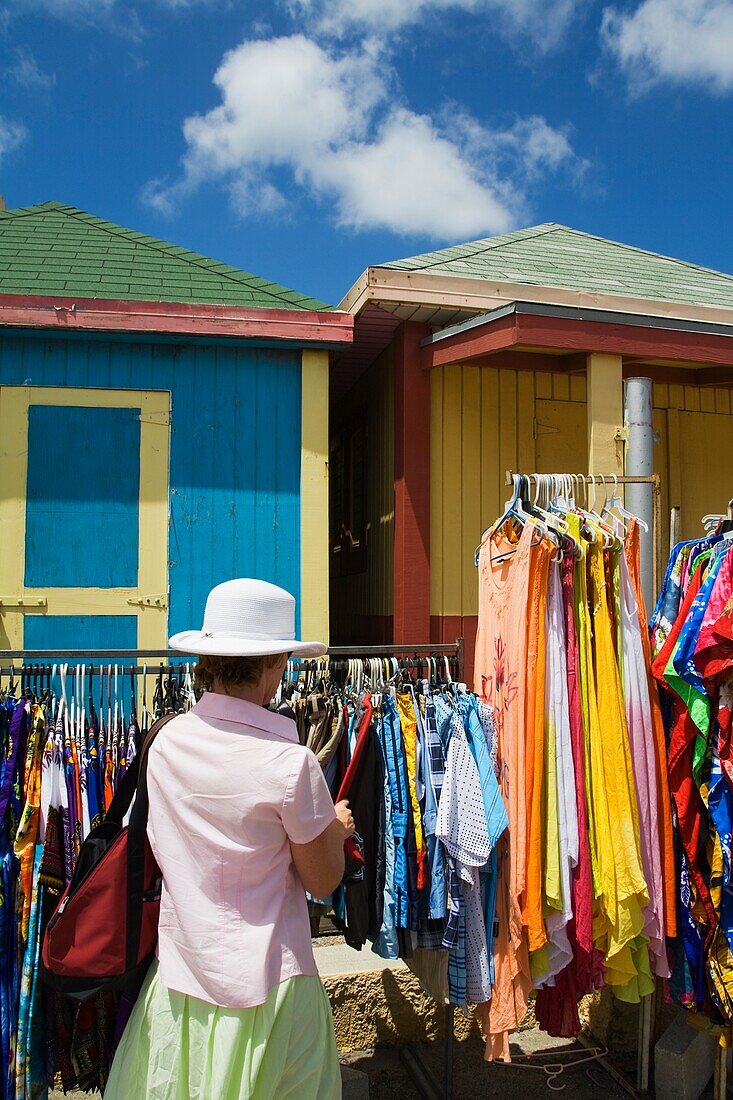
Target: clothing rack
(419,1072)
(593,483)
(455,651)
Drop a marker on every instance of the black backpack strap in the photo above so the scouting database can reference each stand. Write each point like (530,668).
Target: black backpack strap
(136,849)
(124,794)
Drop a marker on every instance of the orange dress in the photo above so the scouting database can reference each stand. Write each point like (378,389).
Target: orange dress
(534,747)
(504,665)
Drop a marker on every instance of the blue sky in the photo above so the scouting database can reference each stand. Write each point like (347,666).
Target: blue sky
(306,139)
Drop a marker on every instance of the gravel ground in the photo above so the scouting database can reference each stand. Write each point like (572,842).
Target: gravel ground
(472,1077)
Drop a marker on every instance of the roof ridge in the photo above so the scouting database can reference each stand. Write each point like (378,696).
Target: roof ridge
(490,243)
(290,298)
(647,252)
(182,253)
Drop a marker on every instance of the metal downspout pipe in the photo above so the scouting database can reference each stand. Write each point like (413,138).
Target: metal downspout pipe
(640,463)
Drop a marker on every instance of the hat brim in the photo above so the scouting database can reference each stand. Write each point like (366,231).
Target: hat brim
(227,645)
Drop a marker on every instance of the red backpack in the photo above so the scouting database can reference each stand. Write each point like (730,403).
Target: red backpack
(104,931)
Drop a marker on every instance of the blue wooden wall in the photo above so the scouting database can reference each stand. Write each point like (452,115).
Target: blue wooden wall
(235,461)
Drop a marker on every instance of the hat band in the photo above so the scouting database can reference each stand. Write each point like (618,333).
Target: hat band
(250,636)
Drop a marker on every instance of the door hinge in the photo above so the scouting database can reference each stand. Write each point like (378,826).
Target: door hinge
(160,601)
(23,601)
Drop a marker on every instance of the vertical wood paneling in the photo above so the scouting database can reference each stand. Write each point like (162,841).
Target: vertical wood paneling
(722,401)
(471,485)
(363,601)
(692,398)
(661,466)
(707,400)
(673,458)
(492,493)
(314,556)
(437,525)
(660,395)
(482,424)
(561,387)
(578,387)
(507,426)
(676,396)
(543,385)
(235,449)
(525,421)
(452,490)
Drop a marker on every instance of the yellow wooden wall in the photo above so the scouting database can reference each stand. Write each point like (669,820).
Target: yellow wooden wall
(487,421)
(484,422)
(694,453)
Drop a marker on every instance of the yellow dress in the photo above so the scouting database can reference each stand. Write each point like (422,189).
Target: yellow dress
(619,915)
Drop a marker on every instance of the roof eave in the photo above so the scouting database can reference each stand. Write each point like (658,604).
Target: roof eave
(70,314)
(415,288)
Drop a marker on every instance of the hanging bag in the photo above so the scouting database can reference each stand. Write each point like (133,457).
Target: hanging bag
(104,932)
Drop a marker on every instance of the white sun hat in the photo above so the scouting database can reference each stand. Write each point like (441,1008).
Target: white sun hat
(247,618)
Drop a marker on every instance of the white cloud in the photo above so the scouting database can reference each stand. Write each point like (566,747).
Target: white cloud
(543,20)
(27,73)
(12,134)
(329,121)
(674,40)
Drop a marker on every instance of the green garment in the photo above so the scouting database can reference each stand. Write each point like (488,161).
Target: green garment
(177,1047)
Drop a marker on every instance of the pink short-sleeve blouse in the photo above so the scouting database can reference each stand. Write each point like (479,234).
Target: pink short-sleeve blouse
(229,786)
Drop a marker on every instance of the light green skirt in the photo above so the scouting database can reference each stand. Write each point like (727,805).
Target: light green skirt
(177,1047)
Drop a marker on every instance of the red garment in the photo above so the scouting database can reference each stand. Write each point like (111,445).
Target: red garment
(351,848)
(687,799)
(557,1006)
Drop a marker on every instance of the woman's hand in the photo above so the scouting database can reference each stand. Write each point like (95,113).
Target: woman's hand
(320,864)
(343,814)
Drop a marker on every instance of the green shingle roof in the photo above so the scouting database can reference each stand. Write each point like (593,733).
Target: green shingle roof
(58,250)
(555,256)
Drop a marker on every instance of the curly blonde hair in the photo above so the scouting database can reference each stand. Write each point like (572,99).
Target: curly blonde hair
(233,672)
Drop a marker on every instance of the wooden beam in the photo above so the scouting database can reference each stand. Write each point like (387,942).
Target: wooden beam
(605,413)
(714,376)
(177,318)
(411,589)
(613,339)
(473,342)
(634,368)
(521,359)
(578,335)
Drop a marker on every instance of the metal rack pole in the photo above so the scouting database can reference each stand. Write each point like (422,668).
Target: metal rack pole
(431,650)
(626,479)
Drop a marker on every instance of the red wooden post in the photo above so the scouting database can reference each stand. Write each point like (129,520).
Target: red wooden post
(411,487)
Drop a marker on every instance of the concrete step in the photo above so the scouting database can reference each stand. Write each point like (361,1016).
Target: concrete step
(338,958)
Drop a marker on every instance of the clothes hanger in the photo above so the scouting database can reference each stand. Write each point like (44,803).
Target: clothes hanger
(512,509)
(618,506)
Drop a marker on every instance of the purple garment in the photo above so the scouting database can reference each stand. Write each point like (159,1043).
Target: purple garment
(17,737)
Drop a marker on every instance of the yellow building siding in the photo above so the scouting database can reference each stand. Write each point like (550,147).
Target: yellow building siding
(694,452)
(314,617)
(484,422)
